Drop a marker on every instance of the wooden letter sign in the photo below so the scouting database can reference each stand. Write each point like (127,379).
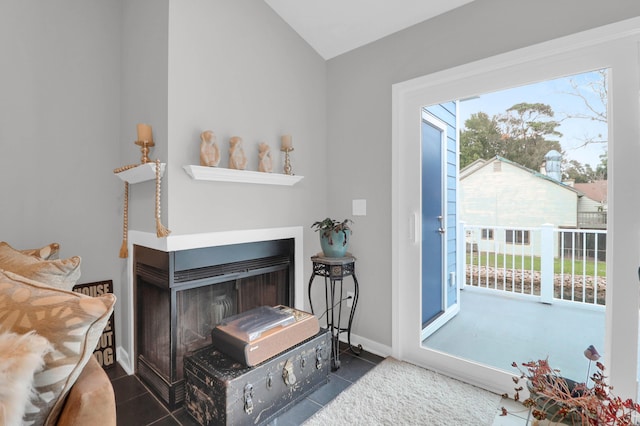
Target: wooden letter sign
(105,351)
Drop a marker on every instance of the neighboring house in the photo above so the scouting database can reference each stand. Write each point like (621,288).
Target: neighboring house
(596,191)
(592,208)
(507,198)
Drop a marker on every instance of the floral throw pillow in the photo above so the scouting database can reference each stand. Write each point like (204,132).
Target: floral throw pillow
(71,322)
(61,273)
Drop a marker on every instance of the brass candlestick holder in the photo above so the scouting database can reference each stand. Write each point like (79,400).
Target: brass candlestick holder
(144,148)
(287,160)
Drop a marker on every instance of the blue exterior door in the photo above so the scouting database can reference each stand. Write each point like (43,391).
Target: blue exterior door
(433,226)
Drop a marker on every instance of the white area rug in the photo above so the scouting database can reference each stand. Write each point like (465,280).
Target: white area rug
(399,393)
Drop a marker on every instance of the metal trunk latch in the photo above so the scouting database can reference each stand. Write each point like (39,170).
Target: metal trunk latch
(269,380)
(318,357)
(248,398)
(287,373)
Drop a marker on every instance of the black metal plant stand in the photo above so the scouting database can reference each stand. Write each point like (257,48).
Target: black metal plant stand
(334,270)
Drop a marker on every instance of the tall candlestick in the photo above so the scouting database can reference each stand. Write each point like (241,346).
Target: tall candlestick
(286,143)
(144,133)
(145,140)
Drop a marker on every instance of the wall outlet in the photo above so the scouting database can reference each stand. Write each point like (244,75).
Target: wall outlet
(350,295)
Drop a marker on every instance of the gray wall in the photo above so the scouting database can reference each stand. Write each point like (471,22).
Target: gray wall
(78,76)
(145,34)
(236,68)
(59,129)
(144,98)
(359,113)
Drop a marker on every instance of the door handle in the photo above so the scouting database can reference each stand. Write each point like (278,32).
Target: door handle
(441,230)
(413,228)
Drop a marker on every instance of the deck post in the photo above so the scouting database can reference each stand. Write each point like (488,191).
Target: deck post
(546,263)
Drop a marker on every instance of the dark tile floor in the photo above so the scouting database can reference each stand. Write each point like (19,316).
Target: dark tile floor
(137,406)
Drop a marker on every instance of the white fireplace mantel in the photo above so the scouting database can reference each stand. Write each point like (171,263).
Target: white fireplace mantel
(171,243)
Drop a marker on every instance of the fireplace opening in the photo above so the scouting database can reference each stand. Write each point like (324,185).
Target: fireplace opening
(181,296)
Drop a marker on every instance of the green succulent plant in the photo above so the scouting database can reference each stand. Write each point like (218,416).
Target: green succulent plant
(328,226)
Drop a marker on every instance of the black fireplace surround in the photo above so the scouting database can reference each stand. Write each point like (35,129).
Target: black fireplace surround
(180,296)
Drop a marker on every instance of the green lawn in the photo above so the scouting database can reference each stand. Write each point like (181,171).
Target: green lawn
(520,262)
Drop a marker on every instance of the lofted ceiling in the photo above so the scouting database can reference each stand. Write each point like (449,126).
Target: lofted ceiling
(333,27)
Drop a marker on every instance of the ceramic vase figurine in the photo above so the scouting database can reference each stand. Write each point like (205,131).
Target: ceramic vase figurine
(264,156)
(237,159)
(209,151)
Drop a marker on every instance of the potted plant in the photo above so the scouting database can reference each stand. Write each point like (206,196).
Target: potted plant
(558,399)
(334,236)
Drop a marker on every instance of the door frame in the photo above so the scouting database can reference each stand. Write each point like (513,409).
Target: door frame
(613,46)
(447,312)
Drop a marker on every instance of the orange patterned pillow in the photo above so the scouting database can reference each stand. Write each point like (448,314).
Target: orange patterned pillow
(61,273)
(71,322)
(48,252)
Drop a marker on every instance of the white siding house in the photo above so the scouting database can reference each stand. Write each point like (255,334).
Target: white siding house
(503,198)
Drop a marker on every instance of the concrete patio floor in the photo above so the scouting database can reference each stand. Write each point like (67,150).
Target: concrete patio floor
(497,329)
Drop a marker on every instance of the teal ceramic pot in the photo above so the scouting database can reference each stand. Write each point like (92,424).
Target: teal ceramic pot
(336,244)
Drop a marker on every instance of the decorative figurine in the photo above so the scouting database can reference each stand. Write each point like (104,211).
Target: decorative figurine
(237,159)
(209,151)
(264,155)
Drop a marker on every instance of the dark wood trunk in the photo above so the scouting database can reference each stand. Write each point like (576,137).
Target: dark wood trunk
(220,391)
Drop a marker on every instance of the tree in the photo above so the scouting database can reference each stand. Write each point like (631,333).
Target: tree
(520,135)
(529,122)
(578,172)
(480,140)
(593,94)
(601,169)
(573,169)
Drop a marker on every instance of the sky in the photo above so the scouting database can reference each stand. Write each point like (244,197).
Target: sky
(553,93)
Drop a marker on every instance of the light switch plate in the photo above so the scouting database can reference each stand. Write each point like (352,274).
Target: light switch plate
(359,207)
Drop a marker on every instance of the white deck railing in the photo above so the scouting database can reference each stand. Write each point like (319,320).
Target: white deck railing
(546,263)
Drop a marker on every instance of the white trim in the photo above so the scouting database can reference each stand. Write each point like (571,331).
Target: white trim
(613,46)
(221,174)
(141,173)
(434,326)
(124,360)
(487,66)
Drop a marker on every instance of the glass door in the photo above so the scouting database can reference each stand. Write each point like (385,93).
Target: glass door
(571,56)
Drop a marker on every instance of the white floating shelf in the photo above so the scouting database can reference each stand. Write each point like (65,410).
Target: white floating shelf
(242,176)
(141,173)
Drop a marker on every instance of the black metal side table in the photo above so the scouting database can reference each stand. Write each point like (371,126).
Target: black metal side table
(334,269)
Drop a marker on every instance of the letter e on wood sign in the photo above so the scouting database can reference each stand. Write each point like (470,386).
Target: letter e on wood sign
(105,351)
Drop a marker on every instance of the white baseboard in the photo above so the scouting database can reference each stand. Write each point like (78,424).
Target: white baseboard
(124,360)
(367,345)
